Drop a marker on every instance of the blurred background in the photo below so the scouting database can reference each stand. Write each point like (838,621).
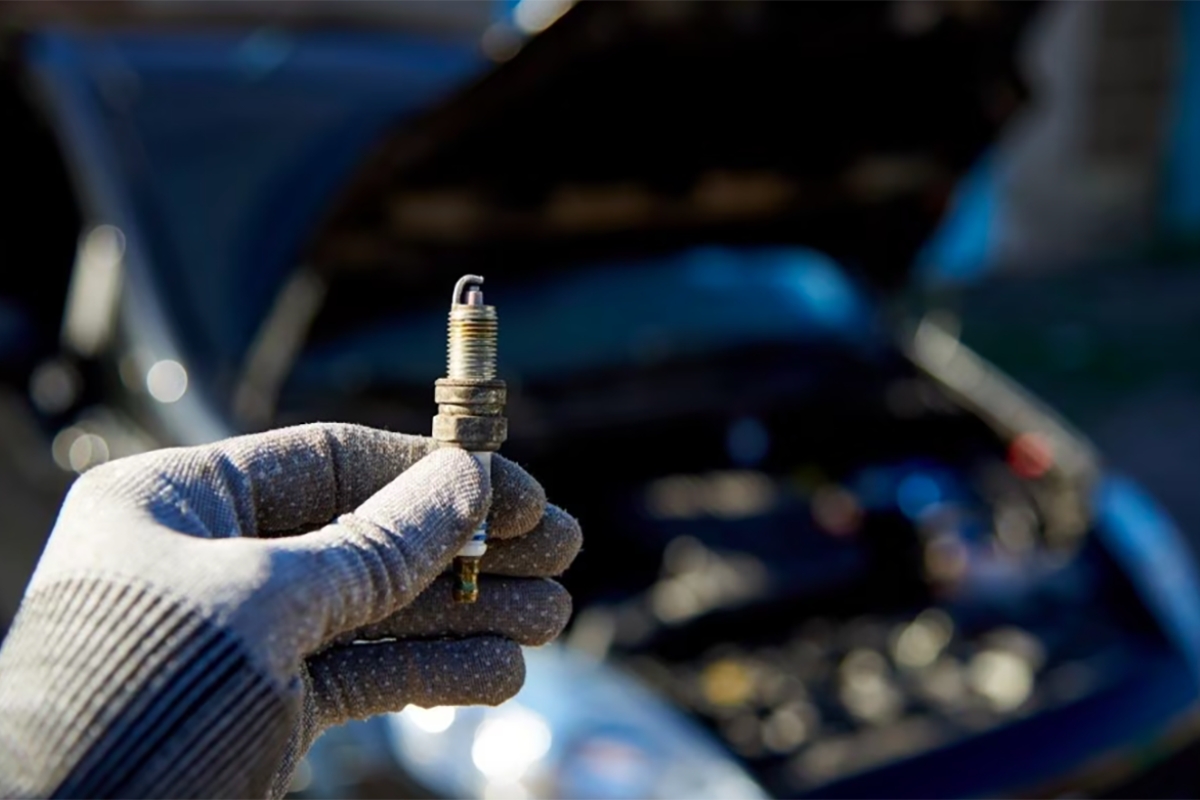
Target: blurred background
(860,337)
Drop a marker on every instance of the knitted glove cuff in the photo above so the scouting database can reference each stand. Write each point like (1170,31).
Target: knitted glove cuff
(113,689)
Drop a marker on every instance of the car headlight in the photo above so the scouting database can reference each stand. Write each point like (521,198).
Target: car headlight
(578,729)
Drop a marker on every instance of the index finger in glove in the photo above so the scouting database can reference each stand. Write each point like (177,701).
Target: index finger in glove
(288,480)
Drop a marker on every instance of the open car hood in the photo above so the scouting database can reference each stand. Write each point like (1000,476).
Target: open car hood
(230,156)
(843,128)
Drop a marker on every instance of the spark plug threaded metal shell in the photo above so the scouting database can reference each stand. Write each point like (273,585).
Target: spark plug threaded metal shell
(471,341)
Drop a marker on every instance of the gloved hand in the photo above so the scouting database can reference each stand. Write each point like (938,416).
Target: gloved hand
(200,614)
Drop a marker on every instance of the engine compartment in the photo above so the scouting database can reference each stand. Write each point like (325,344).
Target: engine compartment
(806,541)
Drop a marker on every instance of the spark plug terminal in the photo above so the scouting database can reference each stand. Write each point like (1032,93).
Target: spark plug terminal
(470,403)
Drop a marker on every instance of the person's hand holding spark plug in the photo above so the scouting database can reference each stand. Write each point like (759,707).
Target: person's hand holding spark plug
(201,614)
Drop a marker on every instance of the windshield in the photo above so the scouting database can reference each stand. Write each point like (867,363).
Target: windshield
(608,316)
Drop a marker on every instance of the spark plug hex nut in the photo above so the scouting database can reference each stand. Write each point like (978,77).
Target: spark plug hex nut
(471,433)
(470,414)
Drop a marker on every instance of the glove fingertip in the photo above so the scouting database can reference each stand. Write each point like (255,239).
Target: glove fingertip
(506,665)
(556,606)
(546,551)
(518,500)
(467,479)
(448,486)
(569,535)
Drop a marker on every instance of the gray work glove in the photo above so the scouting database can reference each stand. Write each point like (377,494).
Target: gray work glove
(200,615)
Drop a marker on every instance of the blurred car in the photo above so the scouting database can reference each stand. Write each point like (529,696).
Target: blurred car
(831,551)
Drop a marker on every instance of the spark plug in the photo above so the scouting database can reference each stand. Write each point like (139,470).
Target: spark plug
(471,407)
